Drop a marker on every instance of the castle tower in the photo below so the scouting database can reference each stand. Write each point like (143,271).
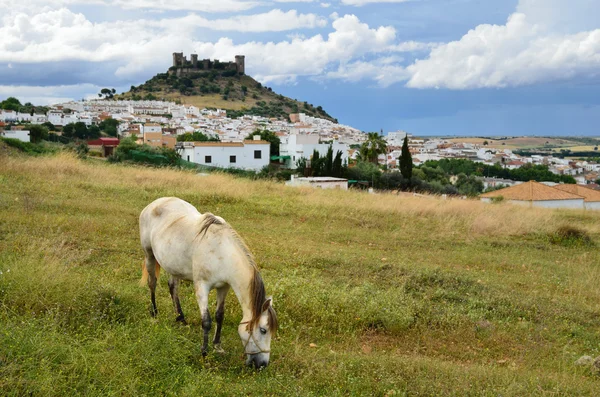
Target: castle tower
(194,60)
(240,63)
(178,59)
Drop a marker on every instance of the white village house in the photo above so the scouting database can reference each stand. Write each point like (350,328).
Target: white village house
(535,194)
(247,155)
(295,146)
(322,182)
(591,197)
(22,135)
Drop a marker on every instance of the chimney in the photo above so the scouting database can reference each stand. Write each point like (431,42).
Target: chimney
(256,137)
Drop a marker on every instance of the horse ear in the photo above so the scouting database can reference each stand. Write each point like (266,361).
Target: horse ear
(268,302)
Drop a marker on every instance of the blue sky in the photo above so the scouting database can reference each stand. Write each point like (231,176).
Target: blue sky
(430,67)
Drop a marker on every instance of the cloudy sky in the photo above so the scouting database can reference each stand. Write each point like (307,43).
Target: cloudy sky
(431,67)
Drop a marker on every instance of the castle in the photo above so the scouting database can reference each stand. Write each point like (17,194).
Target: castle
(182,66)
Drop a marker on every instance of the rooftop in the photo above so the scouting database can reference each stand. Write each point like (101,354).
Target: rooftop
(590,195)
(532,191)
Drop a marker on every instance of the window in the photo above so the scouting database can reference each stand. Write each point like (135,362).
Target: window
(257,154)
(232,159)
(208,159)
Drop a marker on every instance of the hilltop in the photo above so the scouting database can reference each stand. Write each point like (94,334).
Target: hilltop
(470,299)
(221,88)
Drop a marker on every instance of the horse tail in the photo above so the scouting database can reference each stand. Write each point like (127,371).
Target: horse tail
(145,274)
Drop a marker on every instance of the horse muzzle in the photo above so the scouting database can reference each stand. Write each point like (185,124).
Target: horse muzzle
(258,360)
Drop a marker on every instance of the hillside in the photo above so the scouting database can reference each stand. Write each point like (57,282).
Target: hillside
(238,93)
(470,299)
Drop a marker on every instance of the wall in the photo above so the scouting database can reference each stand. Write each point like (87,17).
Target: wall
(320,182)
(595,205)
(575,203)
(220,155)
(298,146)
(22,135)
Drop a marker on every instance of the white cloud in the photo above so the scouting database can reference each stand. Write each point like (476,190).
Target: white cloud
(385,71)
(48,95)
(306,57)
(170,5)
(360,3)
(272,21)
(325,5)
(515,54)
(61,35)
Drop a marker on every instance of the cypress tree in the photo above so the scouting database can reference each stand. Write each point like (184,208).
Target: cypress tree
(337,165)
(406,163)
(328,161)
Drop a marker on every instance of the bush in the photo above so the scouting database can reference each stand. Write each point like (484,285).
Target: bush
(570,236)
(28,147)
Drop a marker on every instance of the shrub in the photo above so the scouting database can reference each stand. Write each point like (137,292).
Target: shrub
(570,236)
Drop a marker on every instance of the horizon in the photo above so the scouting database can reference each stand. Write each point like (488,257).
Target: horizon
(460,68)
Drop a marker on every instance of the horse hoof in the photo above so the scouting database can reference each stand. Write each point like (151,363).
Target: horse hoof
(219,349)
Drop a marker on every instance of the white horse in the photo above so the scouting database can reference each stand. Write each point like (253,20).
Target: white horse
(204,249)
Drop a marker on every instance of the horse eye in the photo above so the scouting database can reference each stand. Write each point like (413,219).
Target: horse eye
(263,331)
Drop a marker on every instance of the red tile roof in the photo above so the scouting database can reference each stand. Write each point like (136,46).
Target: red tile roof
(532,191)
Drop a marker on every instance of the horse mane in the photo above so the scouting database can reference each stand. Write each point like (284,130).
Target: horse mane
(257,287)
(258,295)
(208,220)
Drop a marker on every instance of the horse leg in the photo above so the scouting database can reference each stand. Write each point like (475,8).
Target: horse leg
(151,268)
(174,290)
(202,291)
(219,315)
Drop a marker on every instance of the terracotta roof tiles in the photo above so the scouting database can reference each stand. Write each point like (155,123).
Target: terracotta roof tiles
(532,191)
(590,195)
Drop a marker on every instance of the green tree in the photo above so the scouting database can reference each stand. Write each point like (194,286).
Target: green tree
(109,126)
(317,164)
(69,130)
(93,132)
(49,125)
(80,130)
(10,103)
(328,163)
(37,132)
(107,93)
(337,167)
(197,136)
(406,163)
(268,136)
(373,147)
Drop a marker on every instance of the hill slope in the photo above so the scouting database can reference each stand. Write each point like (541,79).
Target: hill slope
(471,299)
(239,94)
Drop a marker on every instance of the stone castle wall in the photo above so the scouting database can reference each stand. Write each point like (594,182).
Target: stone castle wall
(181,66)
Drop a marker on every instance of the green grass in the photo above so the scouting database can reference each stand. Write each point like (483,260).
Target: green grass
(400,295)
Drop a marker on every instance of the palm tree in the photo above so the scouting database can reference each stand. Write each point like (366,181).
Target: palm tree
(373,147)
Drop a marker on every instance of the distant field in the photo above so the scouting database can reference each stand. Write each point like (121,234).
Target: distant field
(520,143)
(399,295)
(578,148)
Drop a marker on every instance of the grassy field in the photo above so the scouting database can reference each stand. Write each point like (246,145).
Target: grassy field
(400,296)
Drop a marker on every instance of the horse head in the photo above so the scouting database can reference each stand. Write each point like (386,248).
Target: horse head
(256,335)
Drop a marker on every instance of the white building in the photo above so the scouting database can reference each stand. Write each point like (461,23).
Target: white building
(22,135)
(294,147)
(396,138)
(247,155)
(535,194)
(322,182)
(591,197)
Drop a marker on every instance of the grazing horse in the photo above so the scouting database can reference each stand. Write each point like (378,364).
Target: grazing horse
(204,249)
